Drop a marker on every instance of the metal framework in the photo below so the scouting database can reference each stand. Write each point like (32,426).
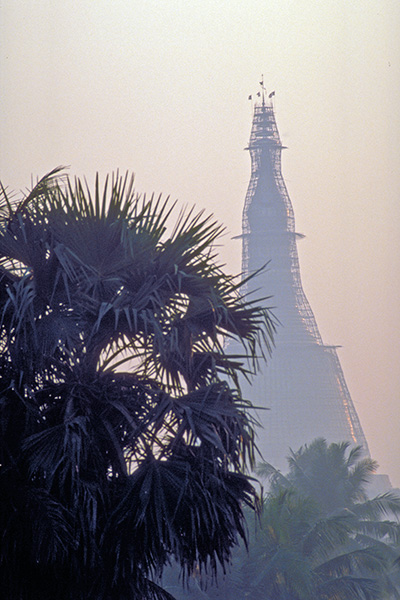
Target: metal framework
(303,384)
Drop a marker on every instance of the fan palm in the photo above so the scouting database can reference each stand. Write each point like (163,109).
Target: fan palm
(123,434)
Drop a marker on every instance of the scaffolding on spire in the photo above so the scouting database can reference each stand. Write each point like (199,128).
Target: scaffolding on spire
(303,384)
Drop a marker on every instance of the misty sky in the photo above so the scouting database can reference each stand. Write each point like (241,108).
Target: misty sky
(161,88)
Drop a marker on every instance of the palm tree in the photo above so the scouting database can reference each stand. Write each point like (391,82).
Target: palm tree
(295,554)
(335,477)
(349,470)
(124,438)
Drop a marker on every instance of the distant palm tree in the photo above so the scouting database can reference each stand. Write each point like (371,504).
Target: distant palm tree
(295,554)
(335,477)
(123,434)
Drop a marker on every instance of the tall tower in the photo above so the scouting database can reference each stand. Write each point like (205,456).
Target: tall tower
(302,385)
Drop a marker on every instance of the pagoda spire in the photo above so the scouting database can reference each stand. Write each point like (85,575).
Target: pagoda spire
(263,90)
(303,384)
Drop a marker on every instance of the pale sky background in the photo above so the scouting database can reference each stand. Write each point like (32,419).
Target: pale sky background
(161,87)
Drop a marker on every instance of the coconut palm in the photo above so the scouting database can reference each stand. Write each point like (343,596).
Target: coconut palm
(296,554)
(336,477)
(123,434)
(349,470)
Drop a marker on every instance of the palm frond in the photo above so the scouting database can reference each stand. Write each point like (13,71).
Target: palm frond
(383,505)
(120,410)
(350,588)
(362,559)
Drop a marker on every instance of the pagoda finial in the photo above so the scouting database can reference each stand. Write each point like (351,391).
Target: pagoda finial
(263,89)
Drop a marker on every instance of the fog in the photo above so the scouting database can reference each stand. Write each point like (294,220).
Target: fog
(161,88)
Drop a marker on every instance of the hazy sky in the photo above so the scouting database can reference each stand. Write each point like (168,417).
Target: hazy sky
(161,87)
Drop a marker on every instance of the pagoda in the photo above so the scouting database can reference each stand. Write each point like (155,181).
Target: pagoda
(302,386)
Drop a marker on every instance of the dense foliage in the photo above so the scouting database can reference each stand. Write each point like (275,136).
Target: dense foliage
(319,536)
(123,434)
(339,480)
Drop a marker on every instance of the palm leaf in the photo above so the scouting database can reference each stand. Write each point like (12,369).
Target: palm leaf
(124,469)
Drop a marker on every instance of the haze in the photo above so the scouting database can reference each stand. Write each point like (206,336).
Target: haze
(160,88)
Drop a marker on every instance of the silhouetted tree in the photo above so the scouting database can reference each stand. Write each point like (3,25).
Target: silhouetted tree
(123,434)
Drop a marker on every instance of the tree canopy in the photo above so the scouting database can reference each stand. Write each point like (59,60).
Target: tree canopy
(319,535)
(352,541)
(336,475)
(124,438)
